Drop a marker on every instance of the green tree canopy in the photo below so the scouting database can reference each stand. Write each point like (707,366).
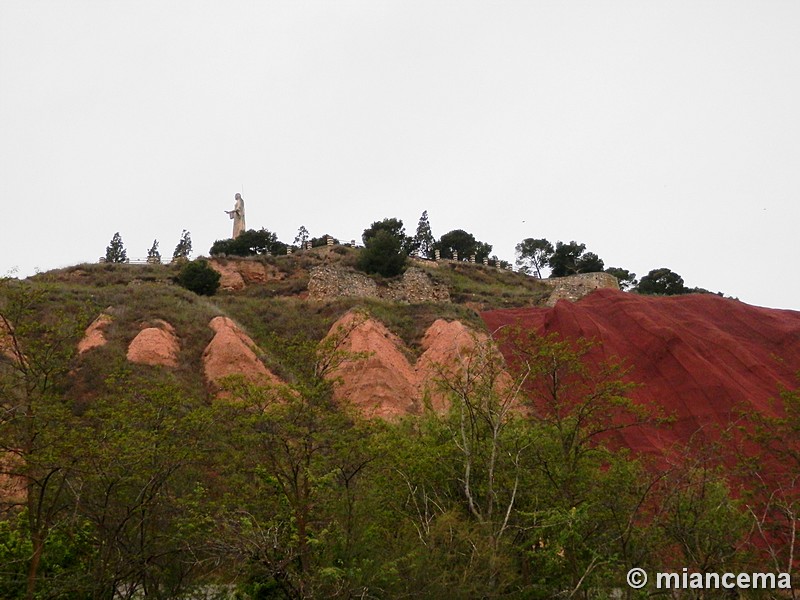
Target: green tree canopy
(626,279)
(115,251)
(533,255)
(464,243)
(383,254)
(662,282)
(572,258)
(249,243)
(393,227)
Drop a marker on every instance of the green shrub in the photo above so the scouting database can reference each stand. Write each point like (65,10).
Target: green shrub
(198,277)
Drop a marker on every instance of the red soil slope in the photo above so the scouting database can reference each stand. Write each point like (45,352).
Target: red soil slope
(700,357)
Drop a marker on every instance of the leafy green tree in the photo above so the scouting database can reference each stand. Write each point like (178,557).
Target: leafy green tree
(139,483)
(574,405)
(39,448)
(533,254)
(626,279)
(184,247)
(115,251)
(572,258)
(704,521)
(383,254)
(464,244)
(299,459)
(424,240)
(773,497)
(153,255)
(662,282)
(490,442)
(198,277)
(395,228)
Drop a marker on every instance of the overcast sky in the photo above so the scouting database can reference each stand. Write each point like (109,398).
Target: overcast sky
(660,134)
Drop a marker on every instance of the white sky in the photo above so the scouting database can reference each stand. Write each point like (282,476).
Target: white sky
(658,133)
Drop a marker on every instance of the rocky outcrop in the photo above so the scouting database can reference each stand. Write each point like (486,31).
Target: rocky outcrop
(329,282)
(237,274)
(230,279)
(94,336)
(155,346)
(448,346)
(232,352)
(575,287)
(381,381)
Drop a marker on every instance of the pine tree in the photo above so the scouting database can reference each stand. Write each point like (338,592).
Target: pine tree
(153,255)
(115,251)
(424,240)
(184,247)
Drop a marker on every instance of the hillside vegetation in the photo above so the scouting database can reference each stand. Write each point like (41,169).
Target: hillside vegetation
(123,480)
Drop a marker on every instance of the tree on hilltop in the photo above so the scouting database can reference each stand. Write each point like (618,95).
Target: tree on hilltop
(572,258)
(626,279)
(115,251)
(153,255)
(249,243)
(533,255)
(424,240)
(383,254)
(662,282)
(394,227)
(464,244)
(302,237)
(184,248)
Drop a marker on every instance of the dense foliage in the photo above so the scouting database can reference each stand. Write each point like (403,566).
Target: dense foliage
(198,277)
(515,491)
(463,244)
(571,258)
(249,243)
(383,254)
(663,282)
(533,255)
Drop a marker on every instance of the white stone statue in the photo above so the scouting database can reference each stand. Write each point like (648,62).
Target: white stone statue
(237,214)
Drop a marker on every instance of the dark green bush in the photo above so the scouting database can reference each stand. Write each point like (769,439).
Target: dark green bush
(198,277)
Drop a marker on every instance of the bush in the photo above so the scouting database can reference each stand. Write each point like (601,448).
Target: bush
(198,277)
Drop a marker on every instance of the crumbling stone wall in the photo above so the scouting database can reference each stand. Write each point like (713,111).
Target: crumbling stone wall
(417,286)
(328,282)
(574,287)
